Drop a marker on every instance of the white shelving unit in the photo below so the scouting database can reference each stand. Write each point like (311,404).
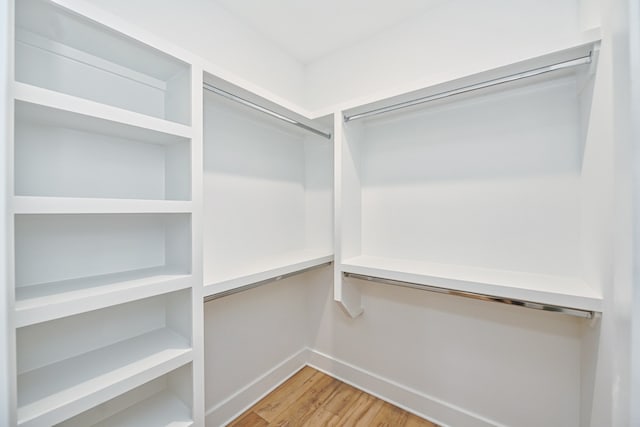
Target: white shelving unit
(60,50)
(106,264)
(63,153)
(267,195)
(64,367)
(478,192)
(159,402)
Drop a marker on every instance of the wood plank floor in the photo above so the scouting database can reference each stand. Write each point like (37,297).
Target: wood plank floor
(312,399)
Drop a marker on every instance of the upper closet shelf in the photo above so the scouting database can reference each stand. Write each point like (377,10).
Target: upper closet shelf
(567,61)
(57,108)
(263,106)
(554,291)
(61,50)
(267,269)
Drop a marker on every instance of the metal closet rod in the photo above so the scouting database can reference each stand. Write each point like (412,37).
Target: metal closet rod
(236,98)
(263,282)
(585,314)
(489,83)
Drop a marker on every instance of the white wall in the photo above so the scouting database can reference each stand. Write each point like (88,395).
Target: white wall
(252,339)
(506,365)
(206,29)
(457,38)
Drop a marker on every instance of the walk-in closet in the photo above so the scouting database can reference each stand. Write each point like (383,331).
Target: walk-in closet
(241,212)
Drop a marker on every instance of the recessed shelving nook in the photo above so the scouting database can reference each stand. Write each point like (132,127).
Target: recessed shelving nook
(267,190)
(96,260)
(107,296)
(164,401)
(59,50)
(472,186)
(138,342)
(60,153)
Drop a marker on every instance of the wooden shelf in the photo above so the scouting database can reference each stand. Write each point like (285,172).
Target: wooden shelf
(61,390)
(266,269)
(162,410)
(64,110)
(48,301)
(81,205)
(544,289)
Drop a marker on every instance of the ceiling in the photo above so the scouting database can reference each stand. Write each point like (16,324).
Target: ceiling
(311,29)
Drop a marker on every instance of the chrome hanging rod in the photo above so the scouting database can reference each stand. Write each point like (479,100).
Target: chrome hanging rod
(494,82)
(232,97)
(585,314)
(262,282)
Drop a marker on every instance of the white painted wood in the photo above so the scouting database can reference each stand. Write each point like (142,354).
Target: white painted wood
(269,267)
(120,403)
(555,290)
(61,153)
(194,390)
(93,62)
(65,367)
(110,116)
(156,403)
(106,220)
(48,301)
(86,205)
(162,410)
(347,211)
(481,189)
(7,331)
(56,392)
(267,198)
(52,248)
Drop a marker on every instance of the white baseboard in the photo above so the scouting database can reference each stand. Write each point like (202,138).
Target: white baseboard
(414,401)
(233,406)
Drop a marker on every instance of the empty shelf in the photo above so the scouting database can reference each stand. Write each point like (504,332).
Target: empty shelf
(52,107)
(266,269)
(162,410)
(47,301)
(74,205)
(61,390)
(558,291)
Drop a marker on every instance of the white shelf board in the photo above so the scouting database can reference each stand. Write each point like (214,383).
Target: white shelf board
(59,391)
(561,291)
(417,89)
(82,205)
(48,301)
(268,268)
(162,410)
(59,109)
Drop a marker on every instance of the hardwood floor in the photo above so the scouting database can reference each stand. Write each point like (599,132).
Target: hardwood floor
(312,399)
